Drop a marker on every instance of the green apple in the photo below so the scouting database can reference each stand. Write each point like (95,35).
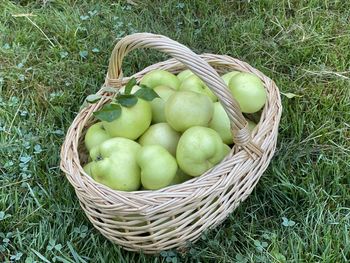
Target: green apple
(194,83)
(161,134)
(184,74)
(180,177)
(158,166)
(251,125)
(185,109)
(199,149)
(114,145)
(95,135)
(221,123)
(157,104)
(227,77)
(159,77)
(87,168)
(225,150)
(132,122)
(114,164)
(249,92)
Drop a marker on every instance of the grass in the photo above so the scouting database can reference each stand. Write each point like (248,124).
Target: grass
(300,210)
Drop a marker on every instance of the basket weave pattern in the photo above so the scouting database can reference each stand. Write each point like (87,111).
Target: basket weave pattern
(152,221)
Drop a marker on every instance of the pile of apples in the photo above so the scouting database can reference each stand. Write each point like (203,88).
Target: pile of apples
(165,130)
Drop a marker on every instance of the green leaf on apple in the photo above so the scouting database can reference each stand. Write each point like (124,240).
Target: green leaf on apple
(146,93)
(126,100)
(128,87)
(110,89)
(109,112)
(93,98)
(84,105)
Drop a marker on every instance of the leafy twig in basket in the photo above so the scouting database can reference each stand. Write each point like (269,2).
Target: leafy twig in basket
(112,111)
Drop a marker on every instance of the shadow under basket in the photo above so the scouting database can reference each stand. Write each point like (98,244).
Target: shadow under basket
(152,221)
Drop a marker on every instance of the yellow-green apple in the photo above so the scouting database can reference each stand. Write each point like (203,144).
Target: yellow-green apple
(221,123)
(157,104)
(225,150)
(194,83)
(161,134)
(132,122)
(251,125)
(227,77)
(159,77)
(158,166)
(199,149)
(87,168)
(180,177)
(184,74)
(185,109)
(95,135)
(114,164)
(249,92)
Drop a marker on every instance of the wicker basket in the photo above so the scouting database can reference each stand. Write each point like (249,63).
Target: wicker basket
(152,221)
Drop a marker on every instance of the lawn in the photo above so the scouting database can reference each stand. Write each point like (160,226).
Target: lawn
(50,61)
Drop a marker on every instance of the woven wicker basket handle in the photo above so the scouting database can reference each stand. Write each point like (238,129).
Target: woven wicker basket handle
(239,126)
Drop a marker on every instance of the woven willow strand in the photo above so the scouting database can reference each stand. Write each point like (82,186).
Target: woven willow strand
(152,221)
